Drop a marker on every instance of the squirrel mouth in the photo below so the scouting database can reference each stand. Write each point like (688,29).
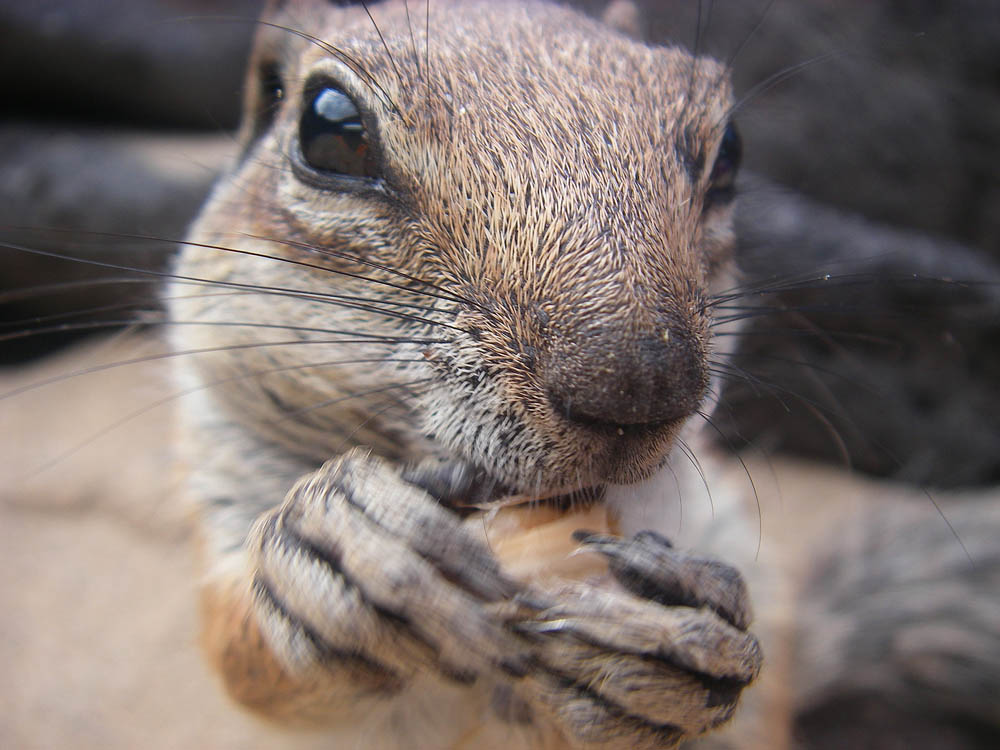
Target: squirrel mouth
(467,489)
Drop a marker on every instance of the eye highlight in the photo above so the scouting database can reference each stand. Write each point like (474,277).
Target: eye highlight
(722,180)
(332,134)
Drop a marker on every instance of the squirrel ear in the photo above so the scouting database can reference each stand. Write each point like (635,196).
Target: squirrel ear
(627,17)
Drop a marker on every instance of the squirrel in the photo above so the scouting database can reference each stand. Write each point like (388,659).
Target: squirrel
(457,264)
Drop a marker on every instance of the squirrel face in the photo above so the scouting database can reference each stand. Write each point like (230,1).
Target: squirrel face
(508,247)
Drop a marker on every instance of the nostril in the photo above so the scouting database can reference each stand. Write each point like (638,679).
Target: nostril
(628,381)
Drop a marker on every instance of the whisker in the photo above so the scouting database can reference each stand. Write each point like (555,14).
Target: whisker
(680,498)
(843,309)
(947,522)
(689,95)
(206,350)
(826,280)
(28,324)
(346,58)
(829,337)
(815,409)
(90,311)
(177,395)
(732,374)
(746,470)
(93,325)
(385,46)
(731,61)
(352,62)
(413,40)
(278,291)
(42,290)
(778,78)
(768,287)
(806,364)
(340,399)
(686,450)
(427,44)
(99,324)
(445,294)
(361,425)
(328,252)
(733,371)
(30,327)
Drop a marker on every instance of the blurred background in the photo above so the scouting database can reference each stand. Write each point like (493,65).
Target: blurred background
(869,221)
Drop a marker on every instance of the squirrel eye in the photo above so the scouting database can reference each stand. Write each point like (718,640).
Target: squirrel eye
(333,137)
(723,176)
(270,92)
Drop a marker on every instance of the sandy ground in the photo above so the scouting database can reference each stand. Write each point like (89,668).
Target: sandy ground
(98,633)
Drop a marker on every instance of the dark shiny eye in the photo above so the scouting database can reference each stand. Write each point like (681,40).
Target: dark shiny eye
(332,135)
(722,180)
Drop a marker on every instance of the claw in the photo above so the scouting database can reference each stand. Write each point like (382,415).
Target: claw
(402,510)
(456,485)
(649,566)
(653,537)
(544,626)
(593,537)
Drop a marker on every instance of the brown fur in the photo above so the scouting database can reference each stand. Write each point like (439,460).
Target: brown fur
(597,254)
(559,227)
(541,219)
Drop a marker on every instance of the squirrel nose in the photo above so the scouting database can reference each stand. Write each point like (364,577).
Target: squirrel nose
(615,380)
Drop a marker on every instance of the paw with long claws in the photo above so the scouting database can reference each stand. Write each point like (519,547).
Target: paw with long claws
(662,659)
(363,574)
(649,566)
(358,565)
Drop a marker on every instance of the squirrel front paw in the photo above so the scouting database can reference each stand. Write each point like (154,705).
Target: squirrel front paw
(662,661)
(363,574)
(359,565)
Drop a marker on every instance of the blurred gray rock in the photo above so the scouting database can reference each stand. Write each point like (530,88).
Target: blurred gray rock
(895,114)
(866,345)
(157,63)
(80,194)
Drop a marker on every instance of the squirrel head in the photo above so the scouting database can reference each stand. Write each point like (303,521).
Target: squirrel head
(543,204)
